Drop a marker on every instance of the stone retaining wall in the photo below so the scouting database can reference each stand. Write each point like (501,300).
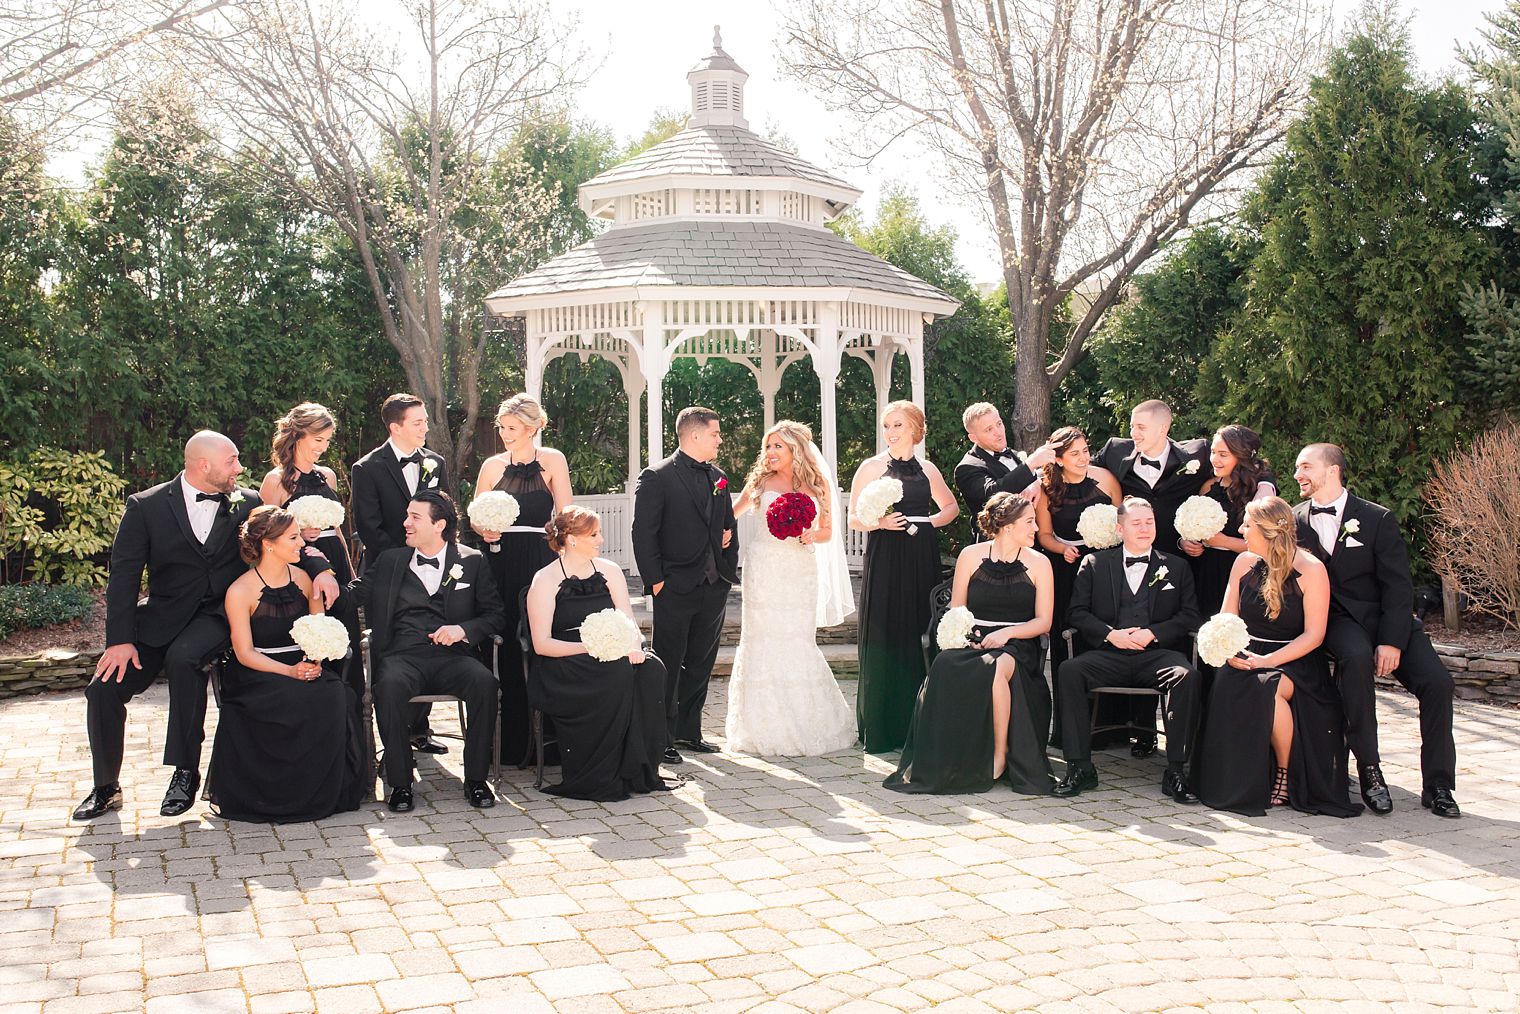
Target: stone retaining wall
(1493,677)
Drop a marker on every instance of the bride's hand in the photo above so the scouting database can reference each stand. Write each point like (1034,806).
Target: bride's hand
(806,538)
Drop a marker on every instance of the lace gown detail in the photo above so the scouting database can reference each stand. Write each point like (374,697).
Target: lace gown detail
(950,743)
(783,699)
(520,556)
(1233,769)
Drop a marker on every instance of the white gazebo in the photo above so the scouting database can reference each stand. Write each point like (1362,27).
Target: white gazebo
(717,247)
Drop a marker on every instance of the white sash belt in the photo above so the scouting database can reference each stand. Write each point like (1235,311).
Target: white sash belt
(327,533)
(1074,544)
(278,651)
(534,529)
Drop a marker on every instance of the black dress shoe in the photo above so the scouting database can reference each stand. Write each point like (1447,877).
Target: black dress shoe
(696,746)
(1440,803)
(401,799)
(671,757)
(1175,785)
(108,797)
(1079,778)
(1143,747)
(1375,790)
(427,744)
(479,794)
(181,795)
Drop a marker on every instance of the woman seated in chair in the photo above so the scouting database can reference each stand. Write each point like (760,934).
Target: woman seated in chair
(610,716)
(288,745)
(1274,734)
(983,714)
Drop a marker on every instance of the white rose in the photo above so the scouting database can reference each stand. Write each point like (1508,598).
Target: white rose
(428,464)
(1221,638)
(456,572)
(1200,518)
(609,635)
(877,499)
(1191,468)
(1099,526)
(954,628)
(1353,526)
(320,638)
(316,512)
(494,510)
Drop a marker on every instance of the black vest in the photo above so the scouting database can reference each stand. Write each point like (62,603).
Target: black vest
(417,614)
(1134,607)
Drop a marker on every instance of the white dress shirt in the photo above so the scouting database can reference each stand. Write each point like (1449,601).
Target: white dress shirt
(202,512)
(412,472)
(1134,573)
(1146,472)
(1328,526)
(431,577)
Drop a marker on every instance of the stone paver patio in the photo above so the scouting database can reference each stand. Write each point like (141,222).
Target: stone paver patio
(758,886)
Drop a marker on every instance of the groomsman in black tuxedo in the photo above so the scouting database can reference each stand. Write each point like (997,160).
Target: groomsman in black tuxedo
(990,466)
(1138,606)
(185,534)
(432,605)
(1165,472)
(1373,630)
(685,545)
(382,484)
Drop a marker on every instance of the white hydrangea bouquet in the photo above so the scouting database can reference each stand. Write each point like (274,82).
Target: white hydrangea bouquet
(494,511)
(1200,518)
(1099,526)
(320,638)
(316,512)
(954,629)
(877,499)
(609,635)
(1221,638)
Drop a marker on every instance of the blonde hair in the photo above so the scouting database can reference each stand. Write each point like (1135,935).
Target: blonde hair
(524,407)
(913,412)
(976,411)
(805,475)
(307,417)
(1273,518)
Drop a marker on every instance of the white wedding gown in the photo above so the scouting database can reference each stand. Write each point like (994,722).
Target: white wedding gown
(783,700)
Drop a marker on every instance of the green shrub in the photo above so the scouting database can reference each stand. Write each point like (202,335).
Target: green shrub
(29,606)
(58,514)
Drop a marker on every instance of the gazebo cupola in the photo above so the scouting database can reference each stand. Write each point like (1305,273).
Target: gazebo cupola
(717,246)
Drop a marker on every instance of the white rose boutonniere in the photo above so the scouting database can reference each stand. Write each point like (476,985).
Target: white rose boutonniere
(1159,576)
(456,572)
(428,464)
(234,500)
(1191,468)
(1350,528)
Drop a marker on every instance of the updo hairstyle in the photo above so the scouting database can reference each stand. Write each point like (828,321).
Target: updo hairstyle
(1001,511)
(266,522)
(572,519)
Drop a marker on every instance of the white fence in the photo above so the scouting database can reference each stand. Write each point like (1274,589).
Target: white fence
(616,511)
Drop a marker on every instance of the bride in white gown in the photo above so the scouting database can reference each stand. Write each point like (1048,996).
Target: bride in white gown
(783,700)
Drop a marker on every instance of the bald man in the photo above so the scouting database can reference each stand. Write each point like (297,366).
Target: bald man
(185,534)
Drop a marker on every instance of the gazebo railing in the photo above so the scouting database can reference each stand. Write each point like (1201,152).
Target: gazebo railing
(616,512)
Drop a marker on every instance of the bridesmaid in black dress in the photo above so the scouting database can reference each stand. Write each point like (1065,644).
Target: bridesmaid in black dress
(1240,476)
(610,716)
(1275,731)
(976,723)
(539,477)
(301,438)
(1068,486)
(901,569)
(288,745)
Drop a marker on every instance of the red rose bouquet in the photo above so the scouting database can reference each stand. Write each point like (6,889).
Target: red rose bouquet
(790,514)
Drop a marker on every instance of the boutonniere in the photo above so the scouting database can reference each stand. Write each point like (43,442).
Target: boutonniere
(455,573)
(1350,528)
(1191,468)
(234,500)
(428,464)
(1160,574)
(721,486)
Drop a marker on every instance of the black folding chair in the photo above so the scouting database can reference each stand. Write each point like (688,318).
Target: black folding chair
(1069,635)
(537,743)
(939,604)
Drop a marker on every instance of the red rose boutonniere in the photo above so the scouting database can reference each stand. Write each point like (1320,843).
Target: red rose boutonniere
(721,486)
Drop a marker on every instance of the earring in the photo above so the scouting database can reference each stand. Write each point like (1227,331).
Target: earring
(570,542)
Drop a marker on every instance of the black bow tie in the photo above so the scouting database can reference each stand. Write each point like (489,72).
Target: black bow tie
(218,497)
(415,458)
(701,466)
(1321,510)
(1131,561)
(428,561)
(1152,462)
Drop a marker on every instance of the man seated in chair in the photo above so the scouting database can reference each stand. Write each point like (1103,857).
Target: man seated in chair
(432,606)
(1137,604)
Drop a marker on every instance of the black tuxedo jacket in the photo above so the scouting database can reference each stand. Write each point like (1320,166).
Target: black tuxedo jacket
(1176,484)
(1095,598)
(677,518)
(470,600)
(379,497)
(1369,570)
(980,474)
(183,574)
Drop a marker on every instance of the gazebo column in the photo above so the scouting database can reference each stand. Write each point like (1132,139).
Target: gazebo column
(827,356)
(533,359)
(916,365)
(655,361)
(633,386)
(768,377)
(881,377)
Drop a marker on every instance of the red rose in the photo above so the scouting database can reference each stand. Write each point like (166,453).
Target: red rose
(790,514)
(720,485)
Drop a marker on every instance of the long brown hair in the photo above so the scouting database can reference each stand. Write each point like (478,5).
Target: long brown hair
(307,417)
(1052,477)
(1273,518)
(1250,467)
